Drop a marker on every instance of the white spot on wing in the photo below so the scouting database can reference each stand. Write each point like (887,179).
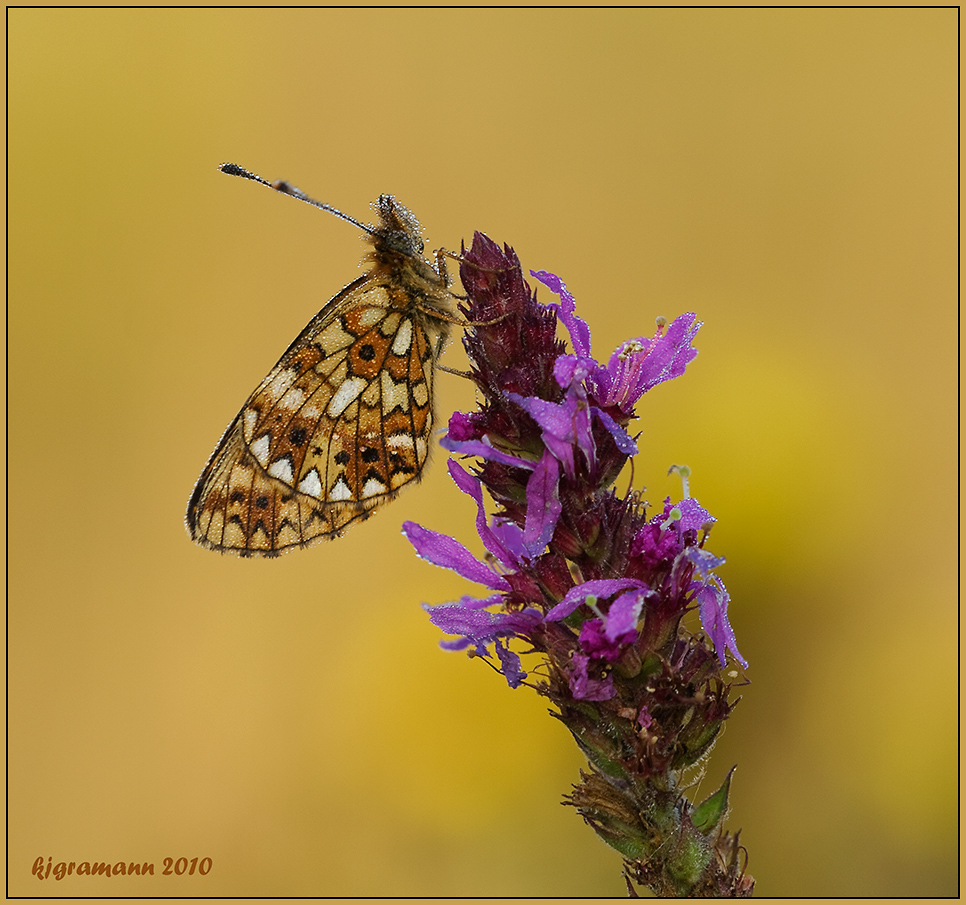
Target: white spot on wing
(389,324)
(404,336)
(340,490)
(348,390)
(373,487)
(311,412)
(292,399)
(394,395)
(311,484)
(282,469)
(260,448)
(250,420)
(279,384)
(399,441)
(334,337)
(420,393)
(367,317)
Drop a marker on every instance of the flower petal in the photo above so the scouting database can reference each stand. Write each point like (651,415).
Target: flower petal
(462,427)
(470,485)
(543,504)
(637,365)
(556,425)
(598,587)
(477,625)
(577,327)
(442,550)
(510,535)
(623,440)
(644,718)
(485,451)
(705,562)
(623,615)
(512,670)
(693,515)
(670,354)
(713,602)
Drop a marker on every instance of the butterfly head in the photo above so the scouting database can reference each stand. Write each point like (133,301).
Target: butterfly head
(398,230)
(397,245)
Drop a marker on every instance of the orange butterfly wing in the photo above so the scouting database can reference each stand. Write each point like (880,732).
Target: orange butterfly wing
(341,424)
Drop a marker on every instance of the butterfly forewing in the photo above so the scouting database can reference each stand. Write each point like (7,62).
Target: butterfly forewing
(342,423)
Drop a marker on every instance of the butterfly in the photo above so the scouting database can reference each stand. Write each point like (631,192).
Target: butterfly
(342,423)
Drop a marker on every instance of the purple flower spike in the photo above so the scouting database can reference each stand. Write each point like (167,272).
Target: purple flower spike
(595,585)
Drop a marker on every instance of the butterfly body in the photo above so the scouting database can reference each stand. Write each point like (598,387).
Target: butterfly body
(343,422)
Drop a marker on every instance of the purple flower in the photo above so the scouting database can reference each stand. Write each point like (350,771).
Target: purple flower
(484,450)
(543,504)
(639,364)
(623,616)
(585,688)
(713,602)
(693,515)
(596,588)
(664,544)
(510,662)
(606,638)
(636,365)
(566,311)
(563,426)
(478,626)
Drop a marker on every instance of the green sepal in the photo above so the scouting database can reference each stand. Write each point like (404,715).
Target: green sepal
(709,814)
(598,758)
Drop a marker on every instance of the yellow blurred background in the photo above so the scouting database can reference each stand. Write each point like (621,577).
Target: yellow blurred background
(790,175)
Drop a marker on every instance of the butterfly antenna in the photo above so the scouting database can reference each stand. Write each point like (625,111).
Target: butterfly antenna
(286,188)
